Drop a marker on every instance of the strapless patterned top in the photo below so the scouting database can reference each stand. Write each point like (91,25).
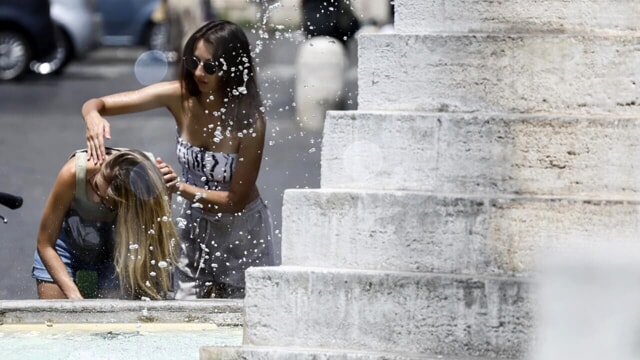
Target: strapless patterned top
(204,168)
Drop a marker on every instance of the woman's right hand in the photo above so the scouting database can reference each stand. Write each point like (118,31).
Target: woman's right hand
(98,129)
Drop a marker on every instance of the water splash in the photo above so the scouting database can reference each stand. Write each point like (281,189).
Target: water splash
(262,31)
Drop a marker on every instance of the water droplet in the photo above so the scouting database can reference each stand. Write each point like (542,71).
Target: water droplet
(151,67)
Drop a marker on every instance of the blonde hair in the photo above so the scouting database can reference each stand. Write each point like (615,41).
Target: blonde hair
(145,237)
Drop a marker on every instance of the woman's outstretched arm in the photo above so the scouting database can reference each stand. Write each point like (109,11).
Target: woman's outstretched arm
(164,94)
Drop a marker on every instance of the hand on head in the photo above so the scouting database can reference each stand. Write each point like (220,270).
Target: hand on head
(98,129)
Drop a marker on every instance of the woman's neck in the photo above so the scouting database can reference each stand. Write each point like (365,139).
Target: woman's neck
(211,102)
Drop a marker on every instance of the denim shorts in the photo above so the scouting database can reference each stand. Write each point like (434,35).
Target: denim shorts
(107,276)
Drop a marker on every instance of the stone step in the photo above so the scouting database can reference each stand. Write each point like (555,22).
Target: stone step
(516,16)
(547,155)
(283,353)
(376,311)
(542,73)
(423,232)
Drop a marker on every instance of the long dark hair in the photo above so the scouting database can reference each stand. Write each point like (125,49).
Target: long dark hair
(232,56)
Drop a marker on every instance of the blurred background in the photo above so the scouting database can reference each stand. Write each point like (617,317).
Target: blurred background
(56,54)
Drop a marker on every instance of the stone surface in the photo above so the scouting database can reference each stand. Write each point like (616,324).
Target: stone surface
(517,16)
(220,312)
(422,232)
(499,73)
(278,353)
(490,135)
(588,305)
(387,311)
(483,154)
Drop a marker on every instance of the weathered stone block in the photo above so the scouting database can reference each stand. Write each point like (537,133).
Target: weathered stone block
(541,73)
(282,353)
(516,16)
(537,155)
(387,311)
(422,232)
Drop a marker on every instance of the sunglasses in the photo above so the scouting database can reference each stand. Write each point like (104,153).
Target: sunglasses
(192,63)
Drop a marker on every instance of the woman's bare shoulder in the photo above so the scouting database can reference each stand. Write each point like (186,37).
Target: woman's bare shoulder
(168,87)
(67,174)
(170,92)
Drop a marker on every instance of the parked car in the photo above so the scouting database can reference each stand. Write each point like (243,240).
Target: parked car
(133,23)
(79,28)
(26,34)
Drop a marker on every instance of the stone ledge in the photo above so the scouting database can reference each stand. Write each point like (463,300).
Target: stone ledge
(221,312)
(445,233)
(385,311)
(537,73)
(484,154)
(283,353)
(555,16)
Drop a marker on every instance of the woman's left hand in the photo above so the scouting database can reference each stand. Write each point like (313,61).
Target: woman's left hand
(170,177)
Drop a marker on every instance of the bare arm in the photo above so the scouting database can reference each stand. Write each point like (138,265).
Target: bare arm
(55,208)
(164,94)
(243,184)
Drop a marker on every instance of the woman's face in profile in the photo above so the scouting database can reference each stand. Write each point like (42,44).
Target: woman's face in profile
(100,187)
(206,72)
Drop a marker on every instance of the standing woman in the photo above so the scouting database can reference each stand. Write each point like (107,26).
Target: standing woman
(224,225)
(112,218)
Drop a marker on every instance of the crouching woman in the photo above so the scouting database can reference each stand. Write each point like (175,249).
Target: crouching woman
(113,218)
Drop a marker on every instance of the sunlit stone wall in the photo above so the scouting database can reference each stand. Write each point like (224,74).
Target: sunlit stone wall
(488,133)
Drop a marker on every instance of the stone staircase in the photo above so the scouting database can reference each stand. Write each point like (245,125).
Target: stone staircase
(488,135)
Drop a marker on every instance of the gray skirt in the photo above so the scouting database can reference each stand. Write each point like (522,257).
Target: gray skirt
(216,249)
